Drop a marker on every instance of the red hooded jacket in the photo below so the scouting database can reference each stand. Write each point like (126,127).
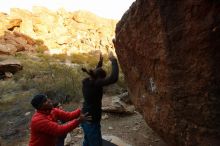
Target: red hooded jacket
(45,129)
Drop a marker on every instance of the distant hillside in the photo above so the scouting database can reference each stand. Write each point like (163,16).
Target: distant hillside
(59,31)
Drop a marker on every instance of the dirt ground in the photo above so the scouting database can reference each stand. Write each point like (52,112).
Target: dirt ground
(130,128)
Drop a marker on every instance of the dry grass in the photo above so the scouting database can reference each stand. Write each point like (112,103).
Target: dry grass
(50,75)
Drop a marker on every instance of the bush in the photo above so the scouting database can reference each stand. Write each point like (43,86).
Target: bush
(8,86)
(40,47)
(58,80)
(60,57)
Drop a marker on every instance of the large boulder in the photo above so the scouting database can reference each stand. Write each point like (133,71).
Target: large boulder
(14,23)
(169,53)
(7,49)
(10,66)
(3,23)
(10,43)
(117,104)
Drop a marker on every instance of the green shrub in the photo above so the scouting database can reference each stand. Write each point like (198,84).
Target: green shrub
(55,79)
(8,86)
(60,57)
(40,47)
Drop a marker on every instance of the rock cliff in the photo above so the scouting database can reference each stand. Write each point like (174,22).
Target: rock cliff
(169,53)
(60,31)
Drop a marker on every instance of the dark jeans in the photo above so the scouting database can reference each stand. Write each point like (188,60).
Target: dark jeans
(60,141)
(92,134)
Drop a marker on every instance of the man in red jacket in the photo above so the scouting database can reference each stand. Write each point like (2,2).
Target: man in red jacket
(45,129)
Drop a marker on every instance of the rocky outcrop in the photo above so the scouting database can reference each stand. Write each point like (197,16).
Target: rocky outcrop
(9,67)
(10,43)
(14,23)
(118,104)
(169,53)
(61,31)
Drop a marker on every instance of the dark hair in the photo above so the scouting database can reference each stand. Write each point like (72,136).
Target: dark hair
(38,100)
(90,72)
(98,72)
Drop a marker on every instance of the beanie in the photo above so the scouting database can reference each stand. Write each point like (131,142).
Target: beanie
(99,72)
(38,100)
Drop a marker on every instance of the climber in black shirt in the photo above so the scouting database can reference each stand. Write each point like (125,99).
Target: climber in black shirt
(92,92)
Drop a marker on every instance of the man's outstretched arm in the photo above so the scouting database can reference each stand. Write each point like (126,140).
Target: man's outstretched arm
(100,61)
(53,128)
(65,116)
(113,76)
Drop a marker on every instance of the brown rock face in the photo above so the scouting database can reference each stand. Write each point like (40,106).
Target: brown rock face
(169,53)
(10,43)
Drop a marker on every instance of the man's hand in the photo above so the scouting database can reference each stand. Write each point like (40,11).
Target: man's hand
(100,61)
(114,41)
(84,117)
(100,57)
(111,56)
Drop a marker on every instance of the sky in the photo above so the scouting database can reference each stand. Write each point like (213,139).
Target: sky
(105,8)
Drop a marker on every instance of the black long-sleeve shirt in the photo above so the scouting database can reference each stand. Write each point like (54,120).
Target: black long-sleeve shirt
(93,90)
